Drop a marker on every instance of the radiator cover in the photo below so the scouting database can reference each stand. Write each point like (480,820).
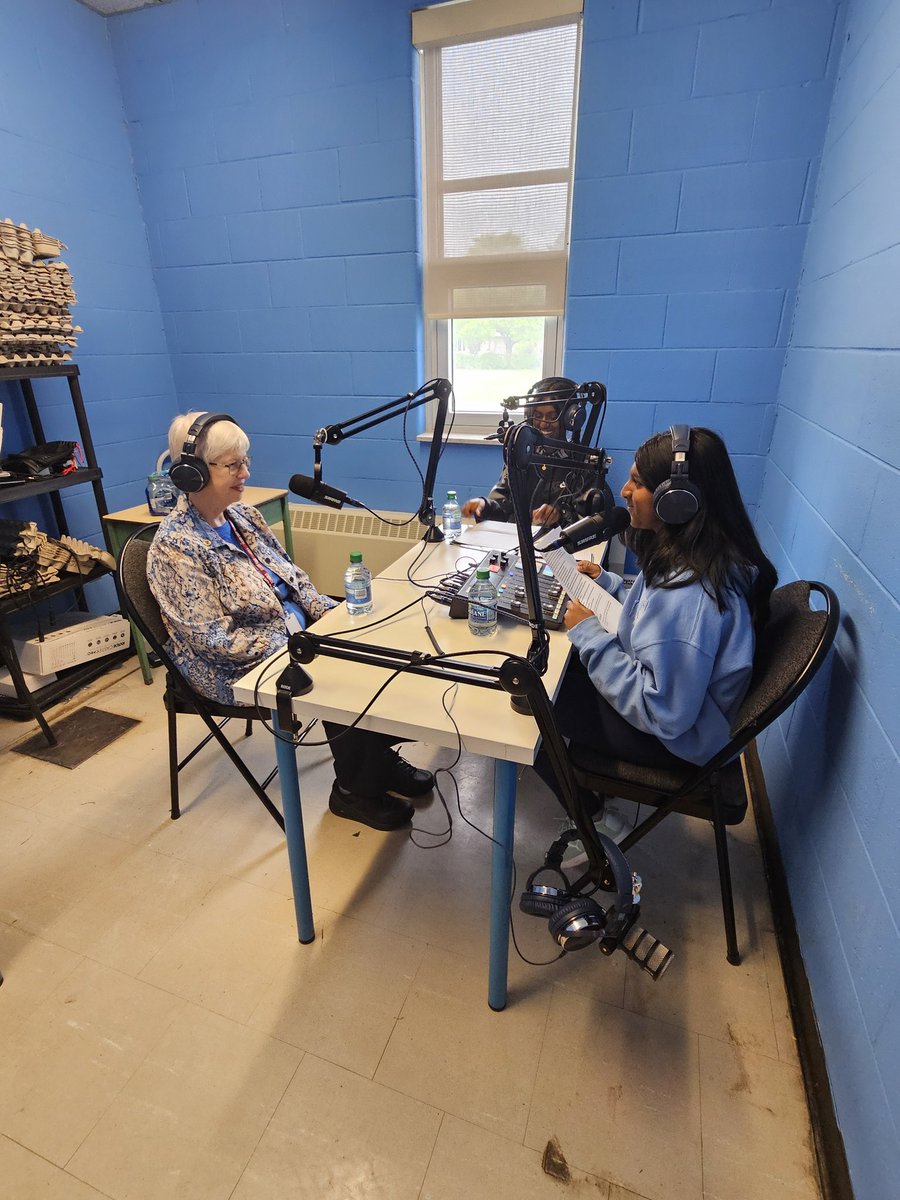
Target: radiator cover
(324,537)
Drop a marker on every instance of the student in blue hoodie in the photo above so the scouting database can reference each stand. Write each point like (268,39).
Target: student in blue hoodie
(665,688)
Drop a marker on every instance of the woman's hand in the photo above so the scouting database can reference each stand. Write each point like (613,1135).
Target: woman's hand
(588,568)
(474,507)
(575,613)
(545,515)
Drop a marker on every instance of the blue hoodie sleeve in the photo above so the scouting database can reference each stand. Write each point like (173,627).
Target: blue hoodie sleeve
(658,680)
(614,584)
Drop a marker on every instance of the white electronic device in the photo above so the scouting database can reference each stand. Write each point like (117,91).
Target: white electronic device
(32,682)
(82,637)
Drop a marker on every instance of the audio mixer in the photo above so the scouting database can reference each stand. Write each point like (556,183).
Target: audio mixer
(508,578)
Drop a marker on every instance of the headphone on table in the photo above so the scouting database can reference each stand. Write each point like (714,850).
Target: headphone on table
(677,499)
(189,472)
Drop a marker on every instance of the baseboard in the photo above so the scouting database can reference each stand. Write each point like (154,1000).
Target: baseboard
(834,1172)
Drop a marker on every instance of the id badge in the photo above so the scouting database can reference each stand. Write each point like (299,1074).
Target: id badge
(293,623)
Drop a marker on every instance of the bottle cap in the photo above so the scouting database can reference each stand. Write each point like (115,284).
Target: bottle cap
(356,556)
(482,573)
(451,495)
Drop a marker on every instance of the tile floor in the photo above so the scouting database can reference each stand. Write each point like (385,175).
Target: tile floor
(165,1036)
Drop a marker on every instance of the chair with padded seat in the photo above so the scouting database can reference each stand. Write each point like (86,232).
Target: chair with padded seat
(140,605)
(789,651)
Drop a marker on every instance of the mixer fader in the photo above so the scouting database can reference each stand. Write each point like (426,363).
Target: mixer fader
(508,579)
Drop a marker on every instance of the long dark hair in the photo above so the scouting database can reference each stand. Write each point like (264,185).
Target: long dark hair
(718,546)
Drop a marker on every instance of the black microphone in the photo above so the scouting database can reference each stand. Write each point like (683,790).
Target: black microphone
(589,531)
(315,489)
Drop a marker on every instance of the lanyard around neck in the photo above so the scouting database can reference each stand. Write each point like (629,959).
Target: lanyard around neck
(254,560)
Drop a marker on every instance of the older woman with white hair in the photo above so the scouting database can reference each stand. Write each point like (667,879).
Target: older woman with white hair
(230,596)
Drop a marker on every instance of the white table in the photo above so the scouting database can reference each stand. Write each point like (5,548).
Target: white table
(411,708)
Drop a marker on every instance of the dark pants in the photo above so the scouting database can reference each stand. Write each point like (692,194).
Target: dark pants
(584,716)
(360,758)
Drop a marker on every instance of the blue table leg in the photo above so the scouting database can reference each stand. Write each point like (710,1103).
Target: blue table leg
(289,782)
(501,879)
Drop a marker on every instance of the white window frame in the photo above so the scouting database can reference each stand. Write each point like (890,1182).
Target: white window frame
(464,22)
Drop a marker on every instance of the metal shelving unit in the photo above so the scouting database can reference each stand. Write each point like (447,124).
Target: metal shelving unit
(27,703)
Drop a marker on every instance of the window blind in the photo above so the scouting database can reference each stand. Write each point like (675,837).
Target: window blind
(498,130)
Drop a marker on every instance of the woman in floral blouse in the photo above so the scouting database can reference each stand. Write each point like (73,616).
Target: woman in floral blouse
(229,597)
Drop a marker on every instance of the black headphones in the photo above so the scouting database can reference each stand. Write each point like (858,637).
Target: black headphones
(577,921)
(561,393)
(189,472)
(677,499)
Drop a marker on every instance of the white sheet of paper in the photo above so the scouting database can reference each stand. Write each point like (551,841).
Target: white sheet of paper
(606,608)
(490,535)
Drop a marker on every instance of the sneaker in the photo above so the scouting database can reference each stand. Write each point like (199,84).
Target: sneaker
(378,812)
(405,780)
(611,823)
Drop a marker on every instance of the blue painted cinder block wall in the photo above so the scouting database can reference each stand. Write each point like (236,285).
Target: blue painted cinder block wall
(829,510)
(278,176)
(248,185)
(276,172)
(65,166)
(699,132)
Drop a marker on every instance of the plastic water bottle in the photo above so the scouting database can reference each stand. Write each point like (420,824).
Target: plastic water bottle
(358,586)
(452,522)
(162,494)
(483,605)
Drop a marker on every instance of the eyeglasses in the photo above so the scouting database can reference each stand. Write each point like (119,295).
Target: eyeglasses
(538,419)
(234,468)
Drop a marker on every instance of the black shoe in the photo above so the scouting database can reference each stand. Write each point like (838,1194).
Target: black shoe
(378,812)
(405,780)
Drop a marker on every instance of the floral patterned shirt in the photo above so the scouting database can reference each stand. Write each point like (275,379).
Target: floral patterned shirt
(222,614)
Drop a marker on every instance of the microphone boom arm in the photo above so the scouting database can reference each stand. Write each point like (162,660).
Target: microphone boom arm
(435,389)
(592,396)
(519,447)
(522,446)
(516,676)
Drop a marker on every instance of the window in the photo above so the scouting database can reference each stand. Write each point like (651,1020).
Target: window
(498,102)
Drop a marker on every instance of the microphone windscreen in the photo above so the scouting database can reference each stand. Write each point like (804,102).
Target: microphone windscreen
(303,485)
(618,521)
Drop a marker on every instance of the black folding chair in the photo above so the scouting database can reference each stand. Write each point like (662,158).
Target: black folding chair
(140,605)
(789,651)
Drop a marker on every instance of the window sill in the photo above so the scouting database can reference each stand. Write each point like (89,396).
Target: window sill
(461,439)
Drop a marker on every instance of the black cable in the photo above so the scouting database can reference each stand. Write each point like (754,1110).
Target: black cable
(302,734)
(263,676)
(547,962)
(432,636)
(414,516)
(394,672)
(374,624)
(446,835)
(442,836)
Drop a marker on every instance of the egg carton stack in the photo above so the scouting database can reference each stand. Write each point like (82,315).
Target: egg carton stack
(35,294)
(31,559)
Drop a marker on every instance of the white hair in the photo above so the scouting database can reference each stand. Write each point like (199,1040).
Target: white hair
(221,438)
